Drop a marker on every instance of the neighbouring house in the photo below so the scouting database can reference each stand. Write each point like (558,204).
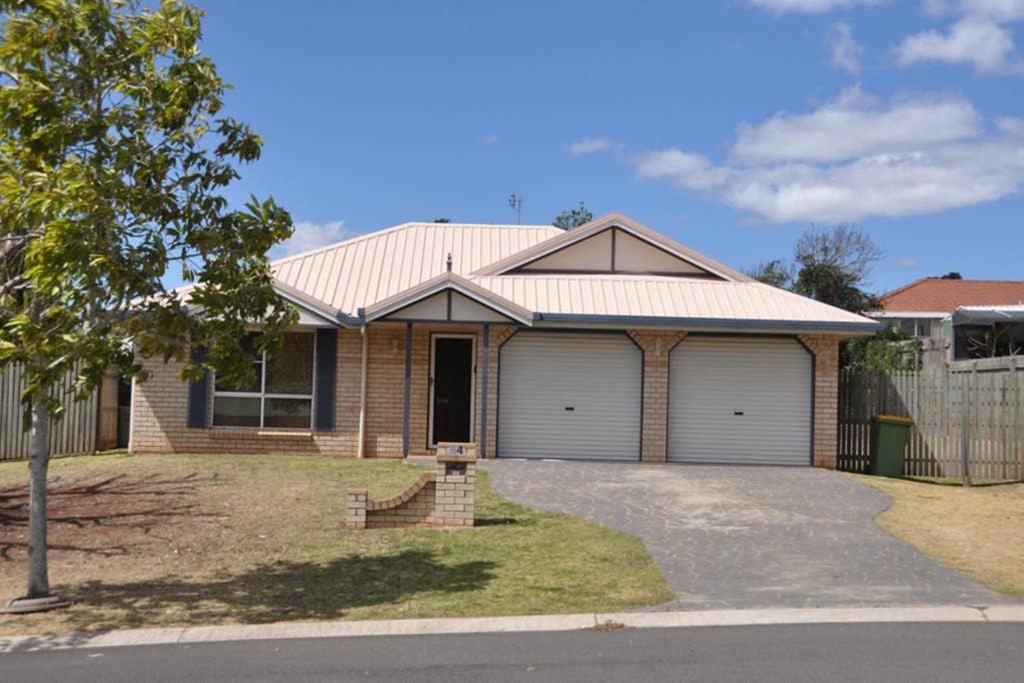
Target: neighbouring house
(958,320)
(610,341)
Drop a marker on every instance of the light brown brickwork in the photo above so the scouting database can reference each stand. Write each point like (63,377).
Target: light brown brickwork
(826,397)
(159,405)
(656,346)
(445,497)
(414,507)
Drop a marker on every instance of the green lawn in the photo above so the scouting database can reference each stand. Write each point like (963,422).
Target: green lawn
(161,540)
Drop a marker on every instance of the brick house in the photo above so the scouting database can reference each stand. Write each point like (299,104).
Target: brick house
(610,341)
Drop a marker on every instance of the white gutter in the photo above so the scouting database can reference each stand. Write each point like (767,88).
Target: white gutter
(907,314)
(361,449)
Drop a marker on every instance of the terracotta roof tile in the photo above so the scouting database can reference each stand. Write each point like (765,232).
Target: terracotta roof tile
(939,295)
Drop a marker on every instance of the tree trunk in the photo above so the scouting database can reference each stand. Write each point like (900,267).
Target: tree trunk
(39,463)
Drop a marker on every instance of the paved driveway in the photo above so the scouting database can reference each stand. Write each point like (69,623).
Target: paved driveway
(743,537)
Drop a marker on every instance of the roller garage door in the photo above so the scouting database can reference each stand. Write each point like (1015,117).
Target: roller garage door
(570,395)
(740,401)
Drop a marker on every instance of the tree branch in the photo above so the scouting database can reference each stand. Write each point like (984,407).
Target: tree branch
(13,285)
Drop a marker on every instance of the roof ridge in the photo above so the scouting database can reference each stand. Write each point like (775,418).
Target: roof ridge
(532,226)
(609,276)
(905,287)
(396,228)
(335,245)
(608,221)
(1008,282)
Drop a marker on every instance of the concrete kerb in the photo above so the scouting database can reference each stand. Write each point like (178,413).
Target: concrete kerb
(564,622)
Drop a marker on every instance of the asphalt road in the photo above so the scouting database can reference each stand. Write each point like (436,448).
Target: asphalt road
(879,652)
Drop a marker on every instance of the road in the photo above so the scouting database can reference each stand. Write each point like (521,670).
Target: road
(840,652)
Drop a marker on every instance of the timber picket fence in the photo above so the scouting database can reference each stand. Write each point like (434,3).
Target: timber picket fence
(964,422)
(74,433)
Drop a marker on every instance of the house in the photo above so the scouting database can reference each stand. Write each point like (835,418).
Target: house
(986,333)
(610,341)
(953,316)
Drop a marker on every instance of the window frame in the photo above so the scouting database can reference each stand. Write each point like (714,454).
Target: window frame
(263,396)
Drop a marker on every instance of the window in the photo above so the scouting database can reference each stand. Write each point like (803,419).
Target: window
(280,395)
(907,326)
(924,327)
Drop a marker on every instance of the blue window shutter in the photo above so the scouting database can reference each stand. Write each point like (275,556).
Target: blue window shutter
(326,366)
(199,393)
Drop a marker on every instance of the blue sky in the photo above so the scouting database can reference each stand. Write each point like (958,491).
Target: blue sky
(730,126)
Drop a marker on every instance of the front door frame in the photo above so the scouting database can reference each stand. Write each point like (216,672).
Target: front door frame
(430,381)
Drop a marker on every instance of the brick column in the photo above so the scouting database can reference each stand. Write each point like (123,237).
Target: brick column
(356,517)
(826,397)
(455,498)
(656,346)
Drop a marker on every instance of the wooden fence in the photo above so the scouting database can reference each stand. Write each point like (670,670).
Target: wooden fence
(75,432)
(971,421)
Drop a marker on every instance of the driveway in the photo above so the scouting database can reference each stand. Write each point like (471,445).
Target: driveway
(747,537)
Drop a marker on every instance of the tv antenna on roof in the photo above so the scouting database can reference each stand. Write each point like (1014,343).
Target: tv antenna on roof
(516,202)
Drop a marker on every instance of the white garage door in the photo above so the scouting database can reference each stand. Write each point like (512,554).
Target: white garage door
(568,395)
(742,401)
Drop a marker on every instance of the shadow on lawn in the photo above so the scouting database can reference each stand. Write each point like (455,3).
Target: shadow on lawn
(280,591)
(91,516)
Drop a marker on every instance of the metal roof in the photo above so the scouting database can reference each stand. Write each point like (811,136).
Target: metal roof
(677,298)
(365,270)
(353,281)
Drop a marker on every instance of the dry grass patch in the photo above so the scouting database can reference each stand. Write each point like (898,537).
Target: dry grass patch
(978,530)
(212,539)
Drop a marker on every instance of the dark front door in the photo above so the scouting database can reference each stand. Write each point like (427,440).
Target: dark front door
(452,408)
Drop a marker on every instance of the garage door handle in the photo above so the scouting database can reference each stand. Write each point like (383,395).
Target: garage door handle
(737,412)
(570,408)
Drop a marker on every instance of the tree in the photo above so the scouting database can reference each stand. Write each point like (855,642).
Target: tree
(113,159)
(888,350)
(832,285)
(573,218)
(951,275)
(776,273)
(442,220)
(832,265)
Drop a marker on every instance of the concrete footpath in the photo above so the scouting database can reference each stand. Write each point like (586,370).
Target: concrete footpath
(523,624)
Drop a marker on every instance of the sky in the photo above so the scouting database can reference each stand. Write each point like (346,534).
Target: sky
(730,126)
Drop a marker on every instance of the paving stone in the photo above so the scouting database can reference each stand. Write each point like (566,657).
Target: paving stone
(747,537)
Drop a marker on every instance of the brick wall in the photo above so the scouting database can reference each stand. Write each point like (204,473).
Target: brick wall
(656,346)
(445,497)
(414,507)
(160,404)
(826,397)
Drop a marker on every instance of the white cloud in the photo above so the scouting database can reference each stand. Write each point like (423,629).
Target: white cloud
(810,6)
(907,262)
(856,157)
(857,124)
(310,236)
(590,145)
(976,40)
(846,52)
(692,171)
(1000,10)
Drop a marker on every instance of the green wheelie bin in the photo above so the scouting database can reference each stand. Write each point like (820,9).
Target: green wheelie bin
(889,436)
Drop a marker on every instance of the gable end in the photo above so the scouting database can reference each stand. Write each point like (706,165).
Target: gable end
(614,251)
